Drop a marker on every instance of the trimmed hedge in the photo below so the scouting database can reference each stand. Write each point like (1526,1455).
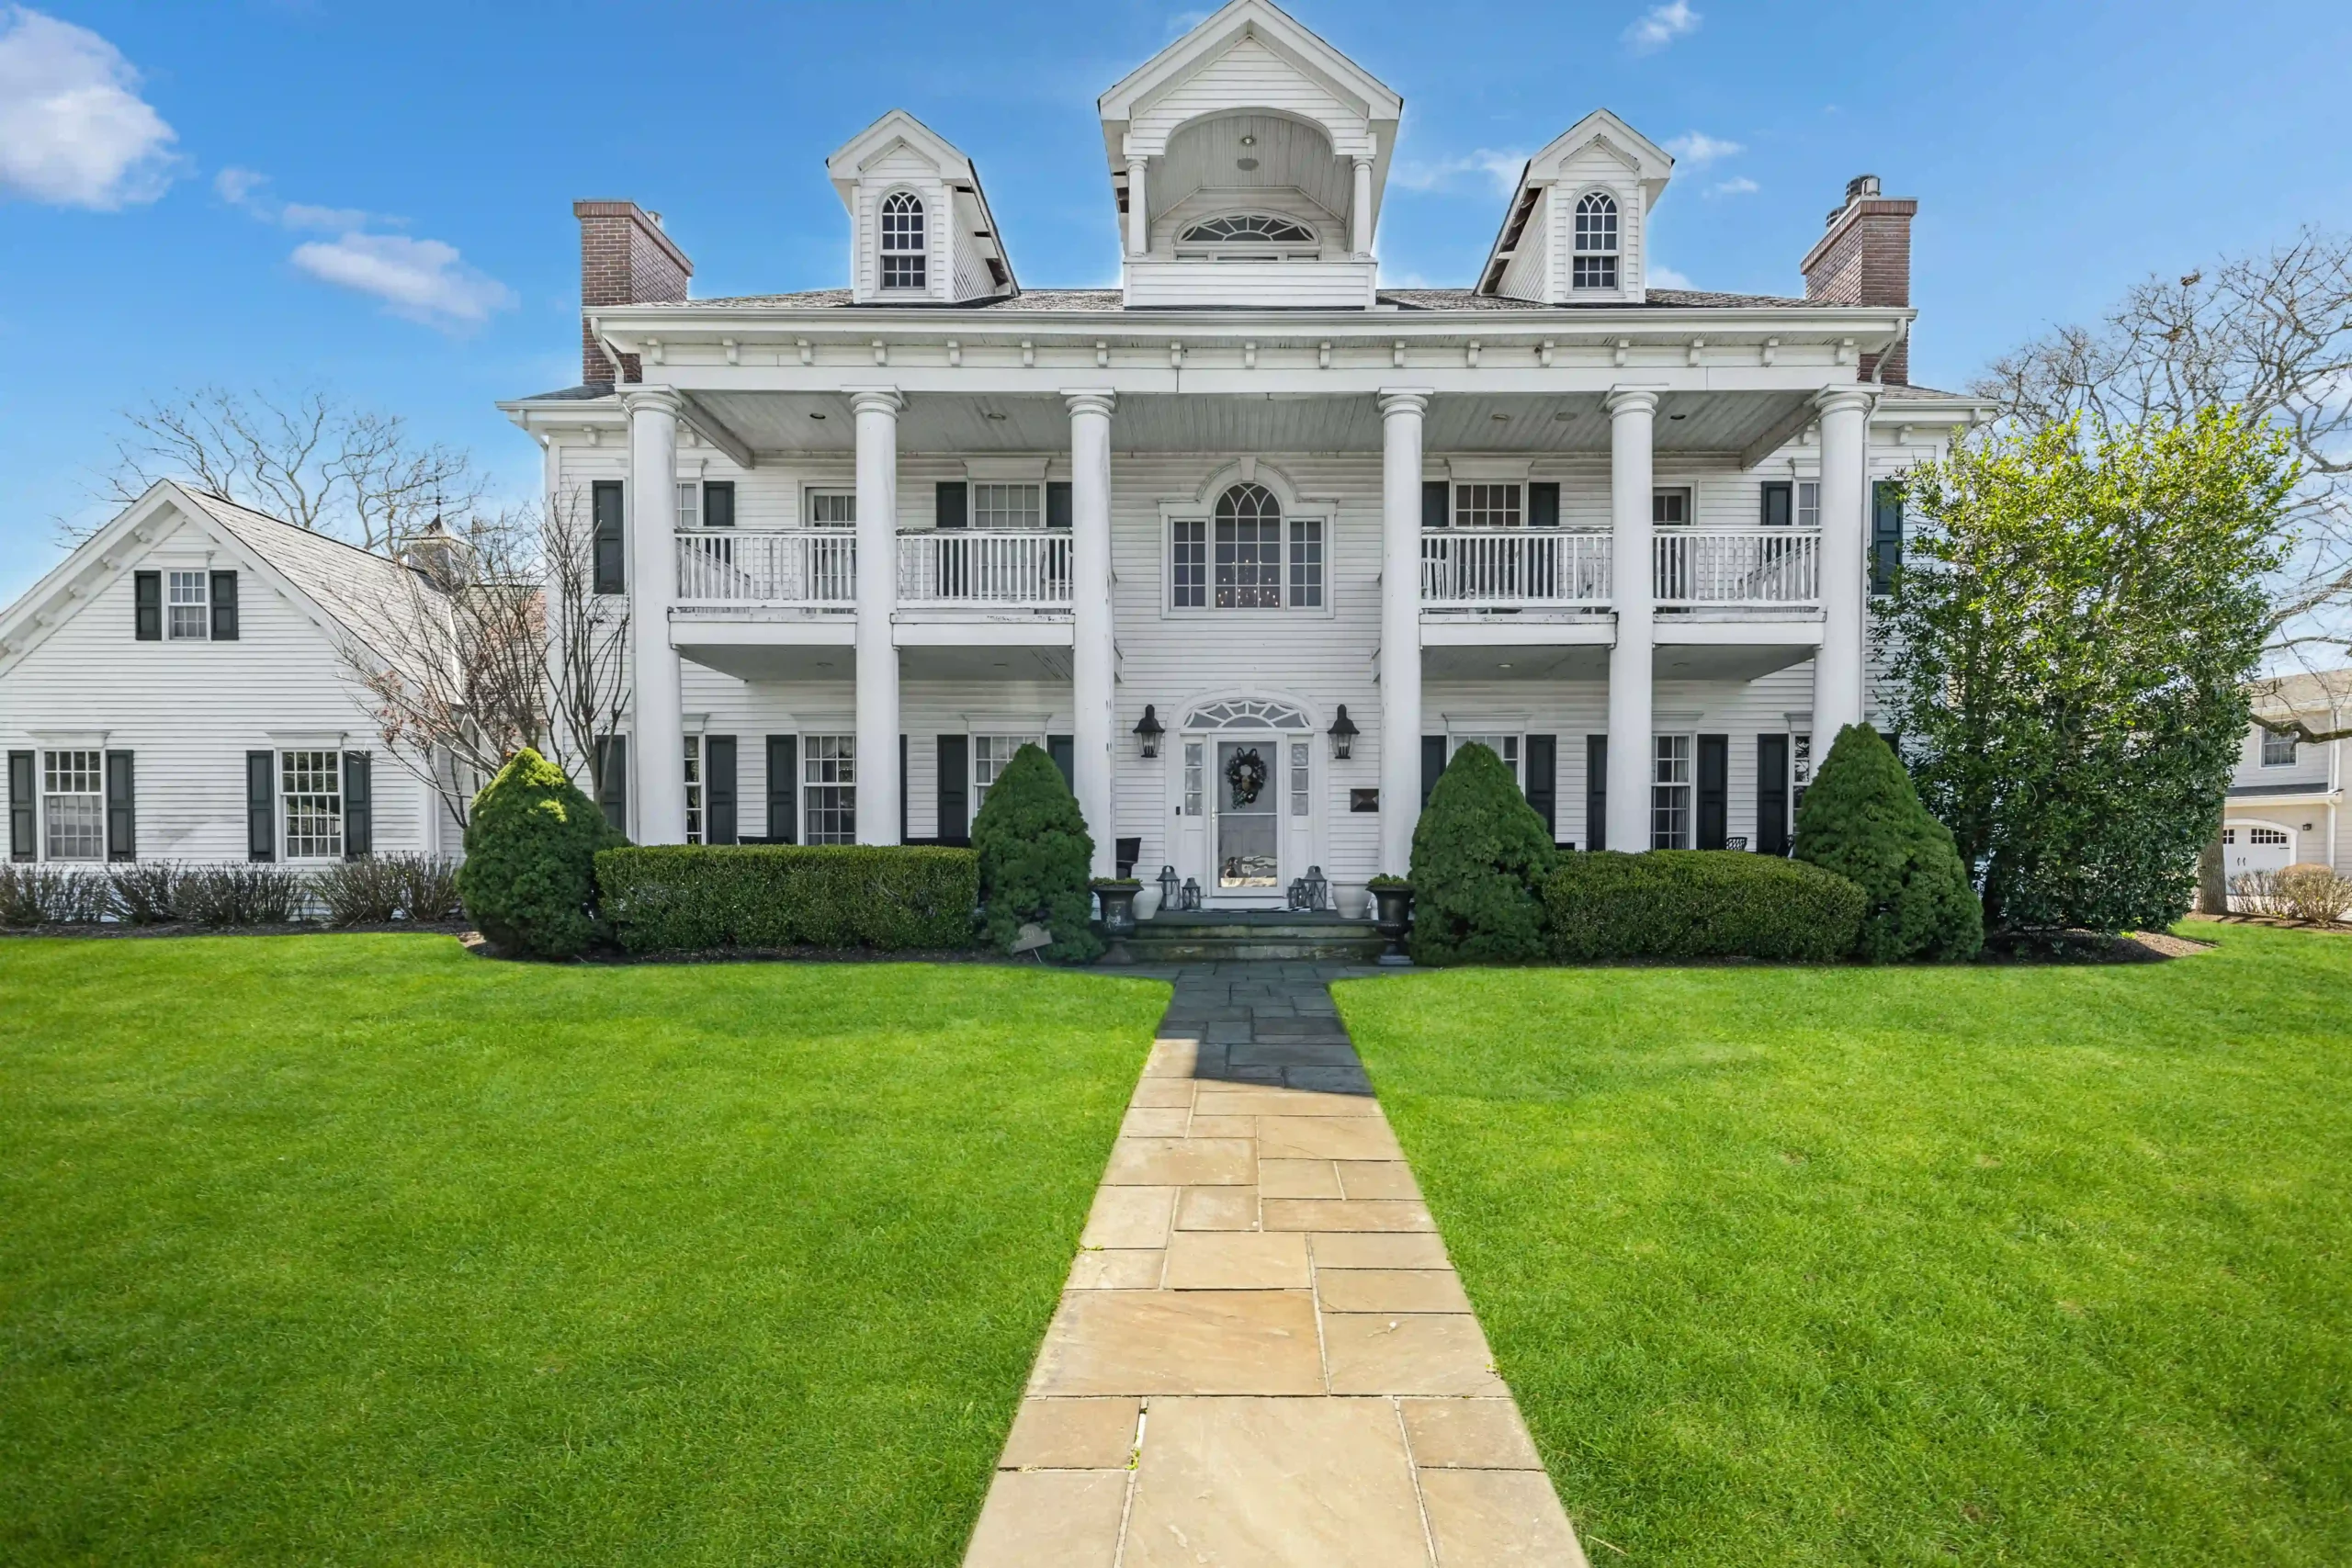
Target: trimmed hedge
(702,898)
(1034,854)
(1699,904)
(1480,854)
(1863,819)
(529,877)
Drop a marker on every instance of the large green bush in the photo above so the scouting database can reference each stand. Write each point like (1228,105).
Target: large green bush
(1480,855)
(529,880)
(699,899)
(1034,858)
(1699,904)
(1863,819)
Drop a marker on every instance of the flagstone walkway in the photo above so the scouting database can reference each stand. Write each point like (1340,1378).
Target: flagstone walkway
(1261,1356)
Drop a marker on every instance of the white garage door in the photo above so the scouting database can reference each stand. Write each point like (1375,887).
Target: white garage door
(2251,846)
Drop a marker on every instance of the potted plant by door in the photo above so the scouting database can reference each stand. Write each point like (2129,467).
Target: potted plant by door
(1392,914)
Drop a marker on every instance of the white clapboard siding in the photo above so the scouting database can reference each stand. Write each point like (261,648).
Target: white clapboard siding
(1527,275)
(1247,75)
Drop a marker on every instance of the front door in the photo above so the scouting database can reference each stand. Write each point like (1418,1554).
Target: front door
(1245,832)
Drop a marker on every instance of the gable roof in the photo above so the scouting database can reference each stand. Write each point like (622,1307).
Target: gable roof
(1220,32)
(849,161)
(1650,164)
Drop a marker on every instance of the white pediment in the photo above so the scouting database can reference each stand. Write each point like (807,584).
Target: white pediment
(1249,55)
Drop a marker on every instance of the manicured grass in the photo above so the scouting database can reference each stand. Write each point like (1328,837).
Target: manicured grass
(2046,1266)
(351,1249)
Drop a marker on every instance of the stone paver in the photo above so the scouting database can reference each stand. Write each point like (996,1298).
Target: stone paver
(1263,1356)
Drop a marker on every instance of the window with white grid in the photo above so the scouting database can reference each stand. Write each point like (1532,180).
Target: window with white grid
(832,509)
(1486,506)
(690,505)
(1503,746)
(829,789)
(1194,780)
(1189,563)
(990,754)
(311,794)
(2277,751)
(1249,549)
(693,789)
(1007,506)
(902,240)
(191,606)
(74,804)
(1306,563)
(1800,770)
(1670,794)
(1808,503)
(1302,766)
(1596,242)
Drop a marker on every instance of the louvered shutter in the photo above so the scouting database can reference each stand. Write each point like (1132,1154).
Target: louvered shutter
(1432,765)
(1779,505)
(605,503)
(1437,503)
(147,606)
(953,504)
(1064,751)
(955,789)
(21,806)
(718,503)
(1543,780)
(1596,792)
(783,789)
(1886,533)
(261,806)
(612,780)
(1057,505)
(902,788)
(1714,791)
(359,806)
(122,816)
(224,606)
(1543,504)
(1772,794)
(720,814)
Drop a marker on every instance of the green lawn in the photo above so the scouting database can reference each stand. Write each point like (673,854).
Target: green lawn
(1992,1265)
(352,1250)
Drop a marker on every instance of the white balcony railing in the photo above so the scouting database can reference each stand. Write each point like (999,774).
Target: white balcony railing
(767,566)
(1767,566)
(1014,569)
(1514,569)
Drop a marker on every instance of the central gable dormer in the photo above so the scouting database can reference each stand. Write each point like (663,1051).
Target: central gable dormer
(1247,159)
(1577,230)
(919,228)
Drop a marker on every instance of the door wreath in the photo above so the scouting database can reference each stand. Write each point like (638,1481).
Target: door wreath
(1247,773)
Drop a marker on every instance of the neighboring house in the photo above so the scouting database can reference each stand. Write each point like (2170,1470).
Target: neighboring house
(175,691)
(2284,801)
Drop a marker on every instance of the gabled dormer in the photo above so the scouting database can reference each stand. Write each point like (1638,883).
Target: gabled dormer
(1247,159)
(919,223)
(1576,231)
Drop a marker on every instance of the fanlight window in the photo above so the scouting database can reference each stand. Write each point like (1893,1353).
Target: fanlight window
(1249,236)
(902,240)
(1596,247)
(1247,713)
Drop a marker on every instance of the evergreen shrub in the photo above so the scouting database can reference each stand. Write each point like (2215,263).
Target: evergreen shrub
(1699,904)
(1480,856)
(1863,819)
(529,879)
(1034,855)
(701,898)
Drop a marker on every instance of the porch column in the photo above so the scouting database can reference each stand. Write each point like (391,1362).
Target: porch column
(1095,653)
(1838,670)
(1138,209)
(1360,216)
(660,751)
(878,783)
(1631,413)
(1400,625)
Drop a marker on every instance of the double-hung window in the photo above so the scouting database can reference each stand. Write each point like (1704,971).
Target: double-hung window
(902,240)
(829,789)
(1670,794)
(1595,257)
(2277,751)
(1244,557)
(1487,506)
(1007,506)
(191,606)
(832,509)
(74,806)
(1808,503)
(990,754)
(310,787)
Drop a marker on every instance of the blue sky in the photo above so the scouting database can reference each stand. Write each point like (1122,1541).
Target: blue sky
(286,193)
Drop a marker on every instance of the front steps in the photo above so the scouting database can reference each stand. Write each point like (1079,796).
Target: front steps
(1228,935)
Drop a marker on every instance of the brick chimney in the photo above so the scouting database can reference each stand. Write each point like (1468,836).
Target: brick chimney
(625,259)
(1865,259)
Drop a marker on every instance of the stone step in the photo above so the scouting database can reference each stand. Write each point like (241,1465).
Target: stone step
(1242,937)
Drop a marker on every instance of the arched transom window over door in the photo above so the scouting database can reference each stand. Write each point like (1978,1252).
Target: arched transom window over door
(902,240)
(1596,241)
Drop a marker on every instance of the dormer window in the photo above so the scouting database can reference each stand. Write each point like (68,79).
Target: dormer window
(1249,236)
(1596,247)
(903,249)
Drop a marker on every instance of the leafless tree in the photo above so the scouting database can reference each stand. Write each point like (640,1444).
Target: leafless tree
(2269,334)
(309,459)
(586,642)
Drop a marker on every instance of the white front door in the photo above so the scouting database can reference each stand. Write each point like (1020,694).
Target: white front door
(1245,819)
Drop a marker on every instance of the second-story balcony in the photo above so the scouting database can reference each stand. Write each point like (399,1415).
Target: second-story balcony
(815,569)
(1010,568)
(1545,568)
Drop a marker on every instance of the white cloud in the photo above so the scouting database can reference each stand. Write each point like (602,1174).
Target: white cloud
(1501,168)
(424,280)
(1697,147)
(246,190)
(73,131)
(1662,25)
(1666,278)
(1739,185)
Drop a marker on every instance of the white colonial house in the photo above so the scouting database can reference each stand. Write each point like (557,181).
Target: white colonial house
(176,690)
(1252,542)
(2284,799)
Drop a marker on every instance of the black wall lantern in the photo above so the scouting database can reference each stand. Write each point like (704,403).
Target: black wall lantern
(1343,736)
(1147,732)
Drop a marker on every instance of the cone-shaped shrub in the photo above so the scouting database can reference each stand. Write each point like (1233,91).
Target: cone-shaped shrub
(1863,819)
(1480,855)
(529,880)
(1035,856)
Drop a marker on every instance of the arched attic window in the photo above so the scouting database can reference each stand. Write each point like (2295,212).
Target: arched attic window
(1248,236)
(1596,242)
(903,249)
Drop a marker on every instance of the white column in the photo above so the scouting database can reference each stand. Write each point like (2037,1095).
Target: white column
(1093,654)
(1360,219)
(1138,209)
(1631,413)
(877,598)
(1839,669)
(660,764)
(1400,625)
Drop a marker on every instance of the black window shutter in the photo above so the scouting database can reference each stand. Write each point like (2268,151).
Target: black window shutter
(1437,503)
(902,787)
(1058,503)
(605,505)
(359,806)
(783,789)
(122,816)
(1780,503)
(21,806)
(719,816)
(1596,792)
(1064,753)
(224,606)
(261,806)
(1543,504)
(147,601)
(953,504)
(955,789)
(1432,765)
(1714,791)
(612,781)
(1772,794)
(1543,780)
(718,503)
(1886,533)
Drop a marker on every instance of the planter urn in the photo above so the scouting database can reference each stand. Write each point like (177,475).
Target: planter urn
(1392,915)
(1118,908)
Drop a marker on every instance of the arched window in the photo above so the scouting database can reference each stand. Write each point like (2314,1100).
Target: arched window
(902,240)
(1596,247)
(1248,236)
